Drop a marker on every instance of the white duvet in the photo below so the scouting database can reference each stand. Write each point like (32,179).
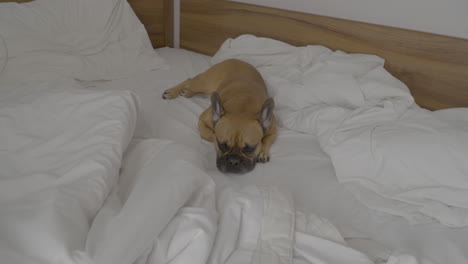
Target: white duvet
(190,234)
(394,156)
(410,164)
(60,153)
(260,225)
(61,200)
(250,225)
(163,210)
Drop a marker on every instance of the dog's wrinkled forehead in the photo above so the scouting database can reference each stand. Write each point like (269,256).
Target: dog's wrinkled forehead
(238,132)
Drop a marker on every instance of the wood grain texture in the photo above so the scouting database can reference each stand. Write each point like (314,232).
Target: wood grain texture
(169,22)
(152,14)
(434,67)
(156,15)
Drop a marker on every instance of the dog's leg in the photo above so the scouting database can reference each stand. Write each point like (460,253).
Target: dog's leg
(175,91)
(205,126)
(187,93)
(201,83)
(267,141)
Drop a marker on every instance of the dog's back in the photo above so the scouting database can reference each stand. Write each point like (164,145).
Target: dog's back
(239,85)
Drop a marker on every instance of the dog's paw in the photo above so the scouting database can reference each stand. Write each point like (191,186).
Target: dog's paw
(186,93)
(263,157)
(170,94)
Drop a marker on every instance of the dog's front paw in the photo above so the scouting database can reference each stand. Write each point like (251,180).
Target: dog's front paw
(170,94)
(263,157)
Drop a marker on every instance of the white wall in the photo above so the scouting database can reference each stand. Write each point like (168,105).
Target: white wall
(445,17)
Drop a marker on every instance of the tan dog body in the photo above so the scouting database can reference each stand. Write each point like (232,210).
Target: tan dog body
(240,121)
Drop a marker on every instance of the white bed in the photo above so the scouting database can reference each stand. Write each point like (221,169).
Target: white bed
(298,165)
(171,204)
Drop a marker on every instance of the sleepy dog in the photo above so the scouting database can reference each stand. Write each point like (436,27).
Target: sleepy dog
(240,120)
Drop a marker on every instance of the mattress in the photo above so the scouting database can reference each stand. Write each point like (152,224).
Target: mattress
(297,164)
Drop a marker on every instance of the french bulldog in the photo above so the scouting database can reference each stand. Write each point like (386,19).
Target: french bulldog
(240,120)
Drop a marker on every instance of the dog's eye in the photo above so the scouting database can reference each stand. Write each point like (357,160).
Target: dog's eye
(223,147)
(249,149)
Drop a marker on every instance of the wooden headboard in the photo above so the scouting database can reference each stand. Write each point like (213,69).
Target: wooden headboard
(434,67)
(156,15)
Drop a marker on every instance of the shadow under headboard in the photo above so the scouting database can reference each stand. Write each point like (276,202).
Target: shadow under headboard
(434,67)
(156,15)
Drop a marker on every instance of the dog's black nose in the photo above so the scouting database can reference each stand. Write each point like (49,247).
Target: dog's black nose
(234,161)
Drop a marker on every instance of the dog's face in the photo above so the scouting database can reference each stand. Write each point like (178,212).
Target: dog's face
(238,139)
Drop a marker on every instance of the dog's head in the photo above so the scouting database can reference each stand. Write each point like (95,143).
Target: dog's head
(239,137)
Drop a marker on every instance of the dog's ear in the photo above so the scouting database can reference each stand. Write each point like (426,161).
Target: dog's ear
(265,113)
(217,109)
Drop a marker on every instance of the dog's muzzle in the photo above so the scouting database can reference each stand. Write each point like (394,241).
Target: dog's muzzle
(234,163)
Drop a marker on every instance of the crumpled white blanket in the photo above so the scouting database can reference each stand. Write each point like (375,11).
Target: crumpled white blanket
(393,156)
(60,152)
(163,211)
(260,225)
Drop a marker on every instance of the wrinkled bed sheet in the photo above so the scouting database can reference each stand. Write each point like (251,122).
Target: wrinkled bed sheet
(173,206)
(313,184)
(254,224)
(60,152)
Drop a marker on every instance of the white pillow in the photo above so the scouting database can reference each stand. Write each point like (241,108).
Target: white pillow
(88,40)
